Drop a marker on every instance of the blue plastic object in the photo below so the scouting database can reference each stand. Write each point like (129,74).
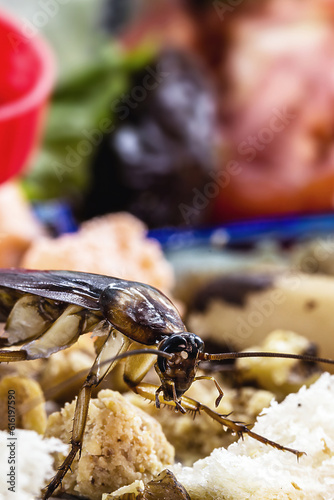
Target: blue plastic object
(284,229)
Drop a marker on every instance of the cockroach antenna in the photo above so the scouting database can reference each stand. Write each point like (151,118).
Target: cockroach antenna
(248,354)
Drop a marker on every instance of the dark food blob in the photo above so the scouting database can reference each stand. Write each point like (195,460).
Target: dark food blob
(233,289)
(162,148)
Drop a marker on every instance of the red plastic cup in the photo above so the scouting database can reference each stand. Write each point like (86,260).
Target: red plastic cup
(26,80)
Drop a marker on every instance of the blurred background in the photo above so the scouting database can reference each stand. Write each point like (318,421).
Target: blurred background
(187,144)
(185,112)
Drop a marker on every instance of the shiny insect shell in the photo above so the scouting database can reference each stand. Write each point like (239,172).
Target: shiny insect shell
(46,311)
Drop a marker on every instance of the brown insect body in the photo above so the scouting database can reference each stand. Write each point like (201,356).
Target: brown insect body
(46,311)
(139,311)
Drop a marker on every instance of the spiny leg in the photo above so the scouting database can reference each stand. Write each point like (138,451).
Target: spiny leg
(219,389)
(178,405)
(113,345)
(148,391)
(239,428)
(79,424)
(135,371)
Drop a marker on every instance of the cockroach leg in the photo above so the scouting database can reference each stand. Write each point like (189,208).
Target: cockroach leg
(157,392)
(115,343)
(178,405)
(9,356)
(79,424)
(237,427)
(191,405)
(219,389)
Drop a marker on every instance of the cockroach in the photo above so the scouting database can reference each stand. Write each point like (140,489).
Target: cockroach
(46,311)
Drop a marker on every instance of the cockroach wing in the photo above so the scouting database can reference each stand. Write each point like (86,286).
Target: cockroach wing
(47,310)
(139,311)
(81,289)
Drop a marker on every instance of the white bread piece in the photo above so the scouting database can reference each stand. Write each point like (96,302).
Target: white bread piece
(251,470)
(33,463)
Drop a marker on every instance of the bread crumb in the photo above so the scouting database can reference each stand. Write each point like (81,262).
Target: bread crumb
(33,464)
(195,438)
(250,470)
(279,375)
(113,245)
(28,403)
(134,489)
(121,444)
(18,226)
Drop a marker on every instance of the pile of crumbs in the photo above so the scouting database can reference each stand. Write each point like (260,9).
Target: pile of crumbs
(31,459)
(249,470)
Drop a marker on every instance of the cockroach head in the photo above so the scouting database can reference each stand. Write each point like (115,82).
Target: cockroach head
(188,344)
(180,369)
